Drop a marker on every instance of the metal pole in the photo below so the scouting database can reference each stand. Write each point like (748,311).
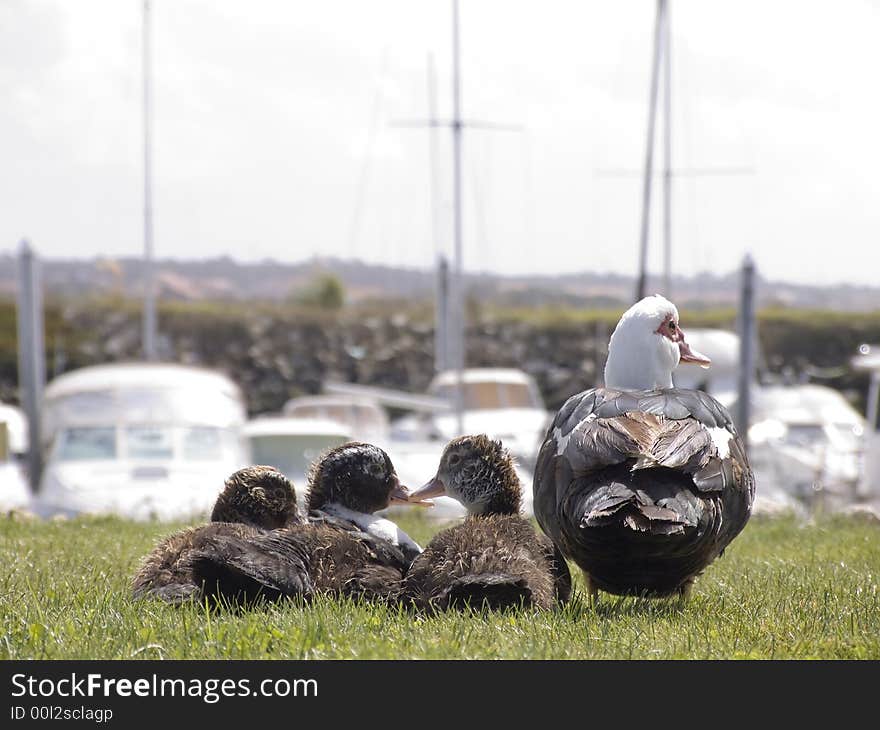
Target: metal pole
(458,340)
(441,293)
(31,354)
(747,331)
(649,153)
(441,315)
(873,401)
(149,317)
(667,152)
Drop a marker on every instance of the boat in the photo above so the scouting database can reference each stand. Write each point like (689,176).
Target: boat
(868,359)
(292,443)
(503,403)
(15,493)
(807,444)
(362,416)
(139,440)
(720,380)
(810,441)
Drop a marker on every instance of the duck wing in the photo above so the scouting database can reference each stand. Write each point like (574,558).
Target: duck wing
(329,556)
(166,572)
(242,568)
(351,562)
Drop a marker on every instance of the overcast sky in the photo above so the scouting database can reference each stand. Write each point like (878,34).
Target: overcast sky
(273,133)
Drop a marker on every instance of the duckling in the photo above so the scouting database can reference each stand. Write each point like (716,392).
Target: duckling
(494,557)
(345,549)
(254,499)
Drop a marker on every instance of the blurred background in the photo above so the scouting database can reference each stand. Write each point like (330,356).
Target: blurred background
(241,232)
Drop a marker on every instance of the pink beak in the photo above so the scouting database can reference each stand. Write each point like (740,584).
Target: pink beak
(401,495)
(689,355)
(434,488)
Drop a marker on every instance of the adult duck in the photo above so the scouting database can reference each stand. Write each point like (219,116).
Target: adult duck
(253,500)
(494,558)
(640,483)
(344,549)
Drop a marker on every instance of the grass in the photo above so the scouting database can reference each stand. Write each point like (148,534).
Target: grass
(782,590)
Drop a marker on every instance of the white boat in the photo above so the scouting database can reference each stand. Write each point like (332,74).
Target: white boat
(721,379)
(868,360)
(292,444)
(139,440)
(503,403)
(362,416)
(15,493)
(806,442)
(809,441)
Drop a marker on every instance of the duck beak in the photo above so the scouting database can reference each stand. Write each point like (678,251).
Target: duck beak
(401,495)
(434,488)
(689,355)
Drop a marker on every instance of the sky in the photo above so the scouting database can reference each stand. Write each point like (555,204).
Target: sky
(276,133)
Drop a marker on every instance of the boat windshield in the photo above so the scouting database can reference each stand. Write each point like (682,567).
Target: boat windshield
(357,417)
(202,443)
(805,434)
(77,444)
(149,442)
(490,394)
(142,442)
(293,455)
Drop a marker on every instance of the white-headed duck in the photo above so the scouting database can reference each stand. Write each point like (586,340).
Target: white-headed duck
(640,483)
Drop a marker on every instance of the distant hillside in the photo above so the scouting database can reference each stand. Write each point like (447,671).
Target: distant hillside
(225,278)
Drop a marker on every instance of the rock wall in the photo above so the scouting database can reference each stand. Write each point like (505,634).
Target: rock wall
(278,351)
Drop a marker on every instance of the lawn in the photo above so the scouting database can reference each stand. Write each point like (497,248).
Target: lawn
(782,590)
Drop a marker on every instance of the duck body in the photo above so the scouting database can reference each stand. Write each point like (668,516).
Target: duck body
(496,560)
(325,556)
(342,550)
(493,559)
(642,489)
(254,500)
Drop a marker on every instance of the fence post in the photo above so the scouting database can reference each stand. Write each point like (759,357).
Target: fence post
(31,353)
(747,331)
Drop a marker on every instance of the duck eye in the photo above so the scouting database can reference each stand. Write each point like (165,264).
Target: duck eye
(672,325)
(454,459)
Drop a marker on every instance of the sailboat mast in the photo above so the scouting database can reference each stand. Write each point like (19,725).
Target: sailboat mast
(667,152)
(441,298)
(457,338)
(649,153)
(149,313)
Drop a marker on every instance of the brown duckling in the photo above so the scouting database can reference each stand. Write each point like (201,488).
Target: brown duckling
(254,499)
(494,558)
(345,549)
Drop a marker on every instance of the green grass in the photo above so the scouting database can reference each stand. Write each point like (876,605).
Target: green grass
(782,590)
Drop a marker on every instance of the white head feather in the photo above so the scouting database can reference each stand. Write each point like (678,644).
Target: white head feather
(639,358)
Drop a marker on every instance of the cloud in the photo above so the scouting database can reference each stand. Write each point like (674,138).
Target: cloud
(263,113)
